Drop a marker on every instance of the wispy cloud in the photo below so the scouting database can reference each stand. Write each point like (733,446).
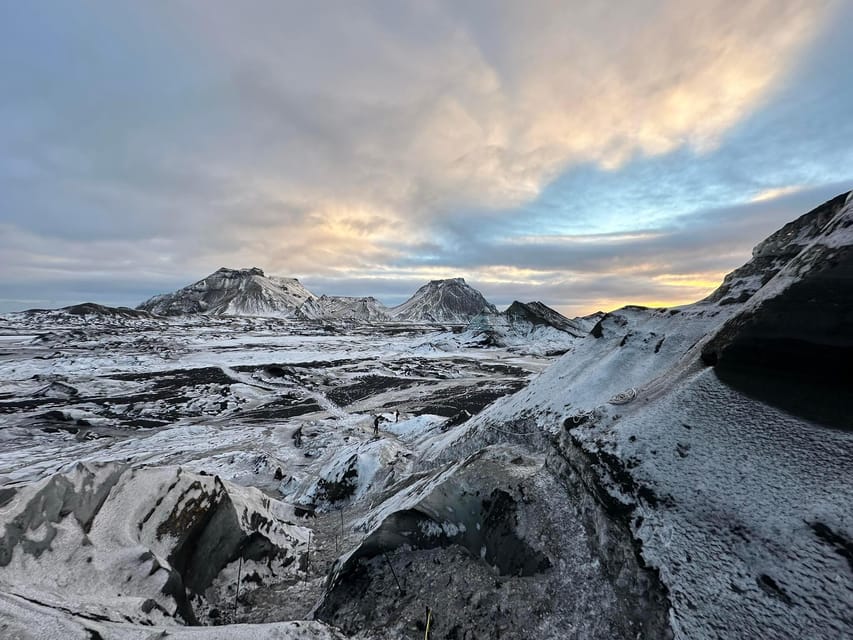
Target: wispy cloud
(775,192)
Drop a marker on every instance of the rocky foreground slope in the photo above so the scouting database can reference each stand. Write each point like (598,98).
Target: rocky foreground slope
(137,546)
(717,437)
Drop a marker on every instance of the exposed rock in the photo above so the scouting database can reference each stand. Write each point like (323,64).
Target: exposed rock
(93,309)
(792,344)
(478,542)
(776,251)
(538,313)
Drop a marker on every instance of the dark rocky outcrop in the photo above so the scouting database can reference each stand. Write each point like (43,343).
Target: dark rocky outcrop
(478,542)
(94,309)
(793,344)
(609,521)
(776,251)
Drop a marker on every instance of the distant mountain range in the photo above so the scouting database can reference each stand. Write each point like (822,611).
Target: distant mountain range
(250,292)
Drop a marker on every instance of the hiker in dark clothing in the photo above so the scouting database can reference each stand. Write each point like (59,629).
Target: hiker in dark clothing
(397,416)
(376,422)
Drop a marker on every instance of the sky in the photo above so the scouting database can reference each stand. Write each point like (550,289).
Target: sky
(586,154)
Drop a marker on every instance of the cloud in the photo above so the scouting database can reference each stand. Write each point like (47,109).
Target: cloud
(367,142)
(485,112)
(679,262)
(341,107)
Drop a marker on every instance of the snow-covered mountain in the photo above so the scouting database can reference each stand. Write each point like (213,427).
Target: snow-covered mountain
(237,292)
(325,307)
(249,292)
(451,301)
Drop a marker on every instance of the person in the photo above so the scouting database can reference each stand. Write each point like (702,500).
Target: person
(397,416)
(376,422)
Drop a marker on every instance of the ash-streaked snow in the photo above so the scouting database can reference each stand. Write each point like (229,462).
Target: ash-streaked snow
(272,405)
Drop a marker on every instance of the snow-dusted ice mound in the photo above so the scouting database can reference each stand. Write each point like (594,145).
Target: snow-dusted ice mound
(531,327)
(140,545)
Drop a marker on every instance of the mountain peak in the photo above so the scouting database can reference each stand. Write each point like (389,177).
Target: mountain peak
(228,291)
(450,300)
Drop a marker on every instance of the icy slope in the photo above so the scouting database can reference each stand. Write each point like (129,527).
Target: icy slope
(239,292)
(343,308)
(452,301)
(740,500)
(808,293)
(140,545)
(24,620)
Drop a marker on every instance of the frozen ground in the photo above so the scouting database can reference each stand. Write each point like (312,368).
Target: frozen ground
(224,395)
(283,407)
